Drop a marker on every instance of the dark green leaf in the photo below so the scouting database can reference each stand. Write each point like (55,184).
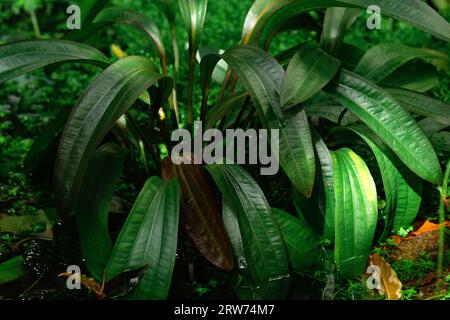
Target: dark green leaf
(92,209)
(309,70)
(96,111)
(390,122)
(381,60)
(11,270)
(22,57)
(301,242)
(263,244)
(337,21)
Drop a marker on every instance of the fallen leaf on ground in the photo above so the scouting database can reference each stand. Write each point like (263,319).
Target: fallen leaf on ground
(390,285)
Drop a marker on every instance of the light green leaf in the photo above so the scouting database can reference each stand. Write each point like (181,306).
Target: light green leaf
(149,238)
(355,212)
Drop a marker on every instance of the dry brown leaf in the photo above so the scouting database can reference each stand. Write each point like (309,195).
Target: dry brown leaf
(426,227)
(390,284)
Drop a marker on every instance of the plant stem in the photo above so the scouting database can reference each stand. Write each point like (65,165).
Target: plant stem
(176,55)
(442,210)
(35,23)
(191,90)
(147,144)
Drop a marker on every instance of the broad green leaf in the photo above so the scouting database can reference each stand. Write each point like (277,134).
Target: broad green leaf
(262,76)
(309,70)
(381,60)
(200,214)
(430,126)
(149,238)
(92,208)
(138,20)
(441,141)
(336,22)
(11,270)
(231,224)
(355,212)
(263,244)
(301,241)
(270,14)
(101,104)
(403,189)
(220,69)
(420,80)
(330,112)
(326,175)
(193,13)
(296,153)
(22,57)
(227,106)
(422,105)
(390,122)
(350,55)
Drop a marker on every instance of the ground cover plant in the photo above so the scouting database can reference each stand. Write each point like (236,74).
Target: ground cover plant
(362,139)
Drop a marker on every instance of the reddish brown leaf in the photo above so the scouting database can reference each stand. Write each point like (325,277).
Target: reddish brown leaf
(199,213)
(426,227)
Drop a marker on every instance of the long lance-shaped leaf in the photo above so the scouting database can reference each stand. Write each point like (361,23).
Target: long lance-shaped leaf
(263,244)
(422,80)
(381,60)
(337,21)
(326,173)
(262,76)
(271,14)
(395,126)
(355,212)
(89,10)
(149,238)
(403,189)
(22,57)
(441,141)
(430,126)
(302,243)
(96,111)
(140,21)
(332,113)
(200,214)
(309,70)
(231,224)
(422,105)
(194,14)
(92,209)
(227,106)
